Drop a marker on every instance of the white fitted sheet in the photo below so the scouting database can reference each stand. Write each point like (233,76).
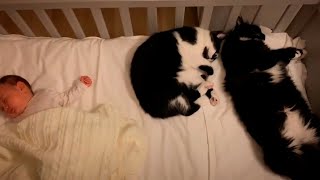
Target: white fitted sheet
(210,144)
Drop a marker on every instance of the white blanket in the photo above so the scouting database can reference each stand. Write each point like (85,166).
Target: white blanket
(210,144)
(65,143)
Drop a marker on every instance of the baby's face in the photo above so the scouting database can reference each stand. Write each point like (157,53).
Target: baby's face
(14,99)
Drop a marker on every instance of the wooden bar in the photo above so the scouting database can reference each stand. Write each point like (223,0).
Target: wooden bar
(301,20)
(126,21)
(220,17)
(179,16)
(2,30)
(47,23)
(269,15)
(59,4)
(206,17)
(152,20)
(234,14)
(100,23)
(74,23)
(287,18)
(18,20)
(249,13)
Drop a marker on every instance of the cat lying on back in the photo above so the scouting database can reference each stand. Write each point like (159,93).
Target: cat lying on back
(169,71)
(268,103)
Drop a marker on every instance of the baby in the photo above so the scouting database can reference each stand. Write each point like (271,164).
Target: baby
(18,101)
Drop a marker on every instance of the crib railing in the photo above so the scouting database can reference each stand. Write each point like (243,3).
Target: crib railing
(212,14)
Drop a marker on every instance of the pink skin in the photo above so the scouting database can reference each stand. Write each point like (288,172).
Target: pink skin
(14,99)
(213,101)
(86,80)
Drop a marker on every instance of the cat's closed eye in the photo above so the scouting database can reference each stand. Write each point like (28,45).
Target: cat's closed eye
(215,56)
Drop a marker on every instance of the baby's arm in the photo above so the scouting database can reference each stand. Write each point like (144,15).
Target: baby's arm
(75,91)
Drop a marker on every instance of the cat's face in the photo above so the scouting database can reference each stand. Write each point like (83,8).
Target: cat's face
(246,31)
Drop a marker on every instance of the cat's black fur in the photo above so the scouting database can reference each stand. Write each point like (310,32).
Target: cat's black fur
(260,102)
(155,67)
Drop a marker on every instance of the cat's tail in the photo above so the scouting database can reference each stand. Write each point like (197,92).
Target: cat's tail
(302,165)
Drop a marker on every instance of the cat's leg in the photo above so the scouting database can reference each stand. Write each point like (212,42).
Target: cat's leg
(212,97)
(285,55)
(192,109)
(275,58)
(190,95)
(193,94)
(204,87)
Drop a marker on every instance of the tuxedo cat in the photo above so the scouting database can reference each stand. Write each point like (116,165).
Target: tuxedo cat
(169,71)
(268,103)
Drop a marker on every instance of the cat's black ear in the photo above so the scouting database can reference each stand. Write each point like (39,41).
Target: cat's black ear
(239,20)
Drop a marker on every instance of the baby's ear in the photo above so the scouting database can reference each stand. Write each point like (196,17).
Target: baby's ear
(21,86)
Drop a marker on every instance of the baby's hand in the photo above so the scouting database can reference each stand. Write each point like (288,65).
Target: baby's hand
(86,80)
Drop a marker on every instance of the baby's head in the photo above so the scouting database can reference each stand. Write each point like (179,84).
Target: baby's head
(15,93)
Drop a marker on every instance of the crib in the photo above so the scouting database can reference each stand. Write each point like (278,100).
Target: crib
(50,42)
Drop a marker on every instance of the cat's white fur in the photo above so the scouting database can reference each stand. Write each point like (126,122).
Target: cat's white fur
(191,57)
(294,126)
(276,73)
(295,129)
(181,102)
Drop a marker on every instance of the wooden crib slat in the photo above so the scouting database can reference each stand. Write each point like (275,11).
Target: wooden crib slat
(206,17)
(47,23)
(179,17)
(287,18)
(248,13)
(101,25)
(18,20)
(219,18)
(269,15)
(2,30)
(301,20)
(74,23)
(234,14)
(126,21)
(152,19)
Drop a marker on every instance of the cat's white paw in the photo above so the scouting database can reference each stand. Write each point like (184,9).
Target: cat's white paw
(208,85)
(203,88)
(298,54)
(214,99)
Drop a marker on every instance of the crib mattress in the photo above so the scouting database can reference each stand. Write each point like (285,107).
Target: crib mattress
(210,144)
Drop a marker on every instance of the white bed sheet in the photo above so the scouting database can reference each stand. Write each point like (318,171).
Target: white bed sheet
(210,144)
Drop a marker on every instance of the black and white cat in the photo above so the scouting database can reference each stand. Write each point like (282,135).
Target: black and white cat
(169,70)
(268,103)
